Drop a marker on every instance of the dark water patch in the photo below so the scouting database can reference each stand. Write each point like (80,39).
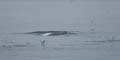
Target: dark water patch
(19,45)
(112,40)
(15,45)
(63,48)
(92,44)
(96,41)
(104,41)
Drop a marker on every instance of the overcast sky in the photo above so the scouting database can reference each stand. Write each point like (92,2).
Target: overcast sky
(20,16)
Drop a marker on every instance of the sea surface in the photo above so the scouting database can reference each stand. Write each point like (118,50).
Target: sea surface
(83,46)
(97,24)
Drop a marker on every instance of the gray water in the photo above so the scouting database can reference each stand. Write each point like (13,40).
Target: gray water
(97,40)
(85,46)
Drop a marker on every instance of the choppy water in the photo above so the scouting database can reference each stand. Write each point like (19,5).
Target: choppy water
(84,46)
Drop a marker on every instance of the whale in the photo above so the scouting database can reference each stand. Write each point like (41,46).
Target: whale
(51,33)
